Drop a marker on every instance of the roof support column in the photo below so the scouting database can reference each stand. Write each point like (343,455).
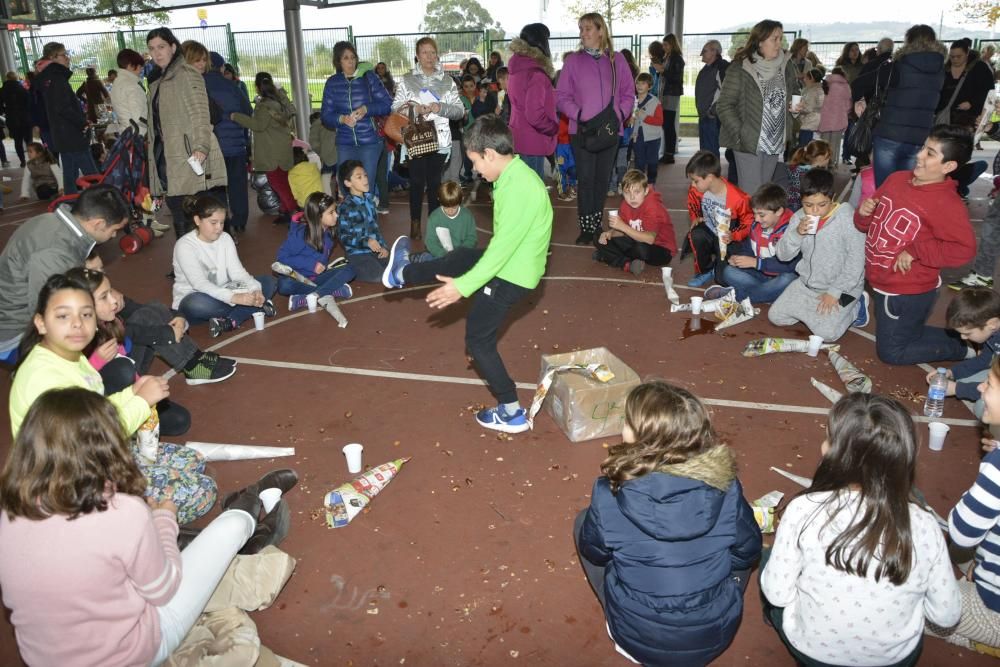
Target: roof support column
(674,23)
(297,65)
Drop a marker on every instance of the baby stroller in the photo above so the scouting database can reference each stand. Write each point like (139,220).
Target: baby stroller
(125,168)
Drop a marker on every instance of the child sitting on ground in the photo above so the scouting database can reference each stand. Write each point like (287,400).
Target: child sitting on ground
(814,155)
(974,314)
(450,222)
(308,251)
(210,283)
(641,233)
(648,124)
(358,224)
(72,503)
(42,175)
(500,276)
(304,178)
(712,199)
(668,518)
(917,225)
(755,271)
(828,295)
(856,566)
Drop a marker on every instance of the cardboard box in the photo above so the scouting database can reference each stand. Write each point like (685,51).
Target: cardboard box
(583,407)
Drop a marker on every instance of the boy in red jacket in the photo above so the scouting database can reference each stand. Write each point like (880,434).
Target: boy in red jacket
(710,198)
(917,225)
(641,233)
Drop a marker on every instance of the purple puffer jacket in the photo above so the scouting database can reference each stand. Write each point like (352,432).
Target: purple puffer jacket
(584,87)
(533,119)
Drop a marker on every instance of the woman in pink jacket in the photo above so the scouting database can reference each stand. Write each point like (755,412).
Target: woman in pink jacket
(834,112)
(533,119)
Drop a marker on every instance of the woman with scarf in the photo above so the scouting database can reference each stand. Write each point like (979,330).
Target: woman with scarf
(754,104)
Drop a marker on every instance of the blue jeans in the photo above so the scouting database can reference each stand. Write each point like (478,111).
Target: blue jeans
(198,307)
(760,287)
(647,157)
(805,136)
(80,161)
(708,134)
(902,334)
(892,156)
(326,283)
(536,162)
(368,155)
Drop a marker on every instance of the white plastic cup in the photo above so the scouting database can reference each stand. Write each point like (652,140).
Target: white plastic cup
(258,320)
(813,224)
(353,454)
(311,301)
(612,212)
(796,100)
(196,166)
(667,271)
(938,433)
(696,305)
(815,342)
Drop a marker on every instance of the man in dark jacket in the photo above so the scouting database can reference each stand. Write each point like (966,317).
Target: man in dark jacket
(226,98)
(707,87)
(67,122)
(14,104)
(863,85)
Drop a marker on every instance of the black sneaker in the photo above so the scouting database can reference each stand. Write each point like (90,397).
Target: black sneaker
(269,309)
(208,371)
(219,325)
(585,238)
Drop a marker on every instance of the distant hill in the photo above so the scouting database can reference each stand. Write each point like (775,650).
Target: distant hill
(834,32)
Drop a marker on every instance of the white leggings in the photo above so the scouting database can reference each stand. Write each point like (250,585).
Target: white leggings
(203,563)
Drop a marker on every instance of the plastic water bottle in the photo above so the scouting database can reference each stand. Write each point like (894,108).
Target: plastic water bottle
(934,405)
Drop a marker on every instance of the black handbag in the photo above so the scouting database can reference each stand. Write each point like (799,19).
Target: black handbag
(601,132)
(859,141)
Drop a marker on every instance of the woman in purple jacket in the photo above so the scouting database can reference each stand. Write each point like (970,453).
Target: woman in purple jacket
(584,91)
(533,119)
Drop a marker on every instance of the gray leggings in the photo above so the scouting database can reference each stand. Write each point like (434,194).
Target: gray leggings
(754,170)
(989,241)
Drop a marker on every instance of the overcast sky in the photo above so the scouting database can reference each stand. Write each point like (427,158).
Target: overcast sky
(406,15)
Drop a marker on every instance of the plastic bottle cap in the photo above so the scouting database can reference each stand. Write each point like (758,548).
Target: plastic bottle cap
(942,370)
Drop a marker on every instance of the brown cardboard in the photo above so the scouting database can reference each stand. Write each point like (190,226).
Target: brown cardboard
(584,408)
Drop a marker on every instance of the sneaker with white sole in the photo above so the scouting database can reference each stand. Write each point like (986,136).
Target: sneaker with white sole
(343,292)
(209,370)
(399,257)
(973,279)
(497,419)
(297,302)
(269,309)
(701,279)
(219,325)
(717,292)
(863,303)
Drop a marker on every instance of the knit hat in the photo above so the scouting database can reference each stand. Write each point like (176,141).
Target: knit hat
(216,60)
(537,35)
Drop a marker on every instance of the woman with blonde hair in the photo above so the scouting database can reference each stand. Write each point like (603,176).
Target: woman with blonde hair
(594,94)
(196,55)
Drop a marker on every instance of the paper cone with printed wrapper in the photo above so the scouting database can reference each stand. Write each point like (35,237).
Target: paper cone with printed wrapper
(349,499)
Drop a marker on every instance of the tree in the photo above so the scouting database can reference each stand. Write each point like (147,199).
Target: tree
(986,11)
(392,52)
(740,37)
(615,10)
(459,15)
(132,13)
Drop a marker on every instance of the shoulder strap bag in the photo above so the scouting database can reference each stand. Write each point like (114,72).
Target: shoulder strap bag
(859,141)
(943,117)
(601,132)
(419,136)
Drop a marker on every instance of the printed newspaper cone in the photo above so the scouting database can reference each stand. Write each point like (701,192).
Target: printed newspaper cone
(852,377)
(347,500)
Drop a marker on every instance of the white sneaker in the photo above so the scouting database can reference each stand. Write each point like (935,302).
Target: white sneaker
(973,279)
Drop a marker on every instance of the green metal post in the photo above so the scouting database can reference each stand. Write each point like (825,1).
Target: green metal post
(350,34)
(121,39)
(234,58)
(22,52)
(486,45)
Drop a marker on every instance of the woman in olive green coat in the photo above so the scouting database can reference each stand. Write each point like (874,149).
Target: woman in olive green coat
(273,124)
(179,128)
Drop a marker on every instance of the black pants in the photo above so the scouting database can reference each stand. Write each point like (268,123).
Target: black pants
(669,132)
(382,179)
(621,249)
(119,373)
(490,306)
(593,173)
(425,175)
(175,354)
(21,137)
(236,191)
(175,205)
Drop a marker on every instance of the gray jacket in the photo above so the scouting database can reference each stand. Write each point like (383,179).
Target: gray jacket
(708,85)
(442,87)
(833,260)
(43,246)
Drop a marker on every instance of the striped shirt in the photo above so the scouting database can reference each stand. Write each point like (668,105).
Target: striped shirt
(973,523)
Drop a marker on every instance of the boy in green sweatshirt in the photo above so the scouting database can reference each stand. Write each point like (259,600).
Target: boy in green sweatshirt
(499,276)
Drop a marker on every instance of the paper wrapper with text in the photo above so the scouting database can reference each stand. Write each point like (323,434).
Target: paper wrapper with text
(829,392)
(668,285)
(850,375)
(763,510)
(731,312)
(347,500)
(762,346)
(599,372)
(722,225)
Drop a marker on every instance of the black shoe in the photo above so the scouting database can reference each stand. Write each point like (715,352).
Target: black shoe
(246,500)
(269,309)
(186,535)
(585,238)
(271,530)
(284,479)
(667,159)
(220,325)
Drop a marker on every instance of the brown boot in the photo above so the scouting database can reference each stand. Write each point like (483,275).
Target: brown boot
(415,230)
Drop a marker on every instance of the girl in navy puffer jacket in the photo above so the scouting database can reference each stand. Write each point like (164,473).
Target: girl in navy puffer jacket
(668,540)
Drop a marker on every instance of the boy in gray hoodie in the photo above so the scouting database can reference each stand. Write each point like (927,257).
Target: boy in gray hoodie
(827,296)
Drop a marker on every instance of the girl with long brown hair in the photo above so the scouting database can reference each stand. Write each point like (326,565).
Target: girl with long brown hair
(668,518)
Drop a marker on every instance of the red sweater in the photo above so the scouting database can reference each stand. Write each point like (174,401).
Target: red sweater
(651,216)
(738,203)
(930,222)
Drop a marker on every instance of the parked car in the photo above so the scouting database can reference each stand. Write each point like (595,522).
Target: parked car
(451,62)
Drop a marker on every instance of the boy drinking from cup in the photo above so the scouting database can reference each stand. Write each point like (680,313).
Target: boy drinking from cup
(827,295)
(641,232)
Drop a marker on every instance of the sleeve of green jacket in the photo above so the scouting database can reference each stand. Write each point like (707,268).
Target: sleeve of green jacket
(511,223)
(133,411)
(258,122)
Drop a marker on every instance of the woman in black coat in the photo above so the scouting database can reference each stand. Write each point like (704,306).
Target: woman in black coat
(15,105)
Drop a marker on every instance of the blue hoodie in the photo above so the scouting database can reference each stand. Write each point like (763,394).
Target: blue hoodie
(228,98)
(671,542)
